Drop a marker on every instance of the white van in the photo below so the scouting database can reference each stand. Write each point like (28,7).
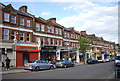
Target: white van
(117,60)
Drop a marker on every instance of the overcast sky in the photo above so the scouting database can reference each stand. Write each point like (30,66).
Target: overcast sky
(99,17)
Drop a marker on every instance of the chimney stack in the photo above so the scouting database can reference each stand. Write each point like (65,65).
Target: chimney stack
(23,8)
(53,20)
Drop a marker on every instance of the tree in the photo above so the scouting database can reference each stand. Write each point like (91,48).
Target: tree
(84,44)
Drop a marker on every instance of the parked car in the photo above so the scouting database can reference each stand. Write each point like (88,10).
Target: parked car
(117,60)
(113,58)
(108,59)
(101,61)
(64,63)
(38,65)
(92,61)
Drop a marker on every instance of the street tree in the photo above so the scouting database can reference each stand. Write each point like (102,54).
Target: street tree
(84,45)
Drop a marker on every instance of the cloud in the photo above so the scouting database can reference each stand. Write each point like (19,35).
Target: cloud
(45,13)
(95,18)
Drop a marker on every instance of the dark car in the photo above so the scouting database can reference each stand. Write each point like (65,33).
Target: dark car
(92,61)
(64,63)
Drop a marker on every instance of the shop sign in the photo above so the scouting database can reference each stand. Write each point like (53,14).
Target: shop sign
(28,48)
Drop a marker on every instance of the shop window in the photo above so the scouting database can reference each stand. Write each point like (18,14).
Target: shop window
(9,50)
(6,34)
(37,27)
(28,37)
(46,40)
(49,41)
(13,19)
(21,36)
(28,23)
(22,21)
(13,35)
(6,17)
(43,28)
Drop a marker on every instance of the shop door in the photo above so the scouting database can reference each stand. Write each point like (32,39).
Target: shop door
(25,58)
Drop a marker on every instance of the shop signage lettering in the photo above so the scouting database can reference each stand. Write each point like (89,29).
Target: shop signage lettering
(49,47)
(27,48)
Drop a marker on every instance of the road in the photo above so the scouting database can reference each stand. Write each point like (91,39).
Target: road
(91,71)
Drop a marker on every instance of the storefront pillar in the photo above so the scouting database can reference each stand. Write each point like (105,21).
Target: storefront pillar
(77,57)
(58,55)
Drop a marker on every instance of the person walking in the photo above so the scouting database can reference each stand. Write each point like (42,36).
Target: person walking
(3,65)
(7,63)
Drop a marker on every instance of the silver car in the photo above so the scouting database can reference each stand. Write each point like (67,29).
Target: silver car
(38,65)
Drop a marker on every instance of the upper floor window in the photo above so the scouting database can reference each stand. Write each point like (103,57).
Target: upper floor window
(65,34)
(60,32)
(28,37)
(22,21)
(57,42)
(13,35)
(48,29)
(37,27)
(28,23)
(6,17)
(21,36)
(56,31)
(43,28)
(13,19)
(6,34)
(37,39)
(52,30)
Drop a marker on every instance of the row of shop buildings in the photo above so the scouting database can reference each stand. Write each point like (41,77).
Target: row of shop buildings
(25,37)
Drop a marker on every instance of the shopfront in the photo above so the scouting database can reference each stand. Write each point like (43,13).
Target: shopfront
(48,52)
(25,54)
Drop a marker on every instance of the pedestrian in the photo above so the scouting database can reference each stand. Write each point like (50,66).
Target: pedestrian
(7,63)
(3,65)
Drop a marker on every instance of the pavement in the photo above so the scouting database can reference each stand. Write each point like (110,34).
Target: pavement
(21,70)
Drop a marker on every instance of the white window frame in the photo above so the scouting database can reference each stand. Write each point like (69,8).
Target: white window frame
(42,27)
(6,17)
(13,19)
(6,34)
(13,35)
(37,27)
(52,30)
(28,23)
(27,37)
(56,30)
(22,36)
(48,29)
(65,34)
(60,32)
(22,21)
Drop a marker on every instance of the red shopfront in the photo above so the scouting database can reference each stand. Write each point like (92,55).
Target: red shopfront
(25,54)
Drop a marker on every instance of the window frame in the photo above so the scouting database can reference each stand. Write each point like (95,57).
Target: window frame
(22,22)
(13,19)
(22,36)
(37,26)
(6,35)
(28,23)
(6,17)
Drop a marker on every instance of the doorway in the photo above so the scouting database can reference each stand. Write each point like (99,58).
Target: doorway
(25,58)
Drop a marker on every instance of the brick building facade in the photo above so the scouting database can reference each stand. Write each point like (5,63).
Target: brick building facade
(25,37)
